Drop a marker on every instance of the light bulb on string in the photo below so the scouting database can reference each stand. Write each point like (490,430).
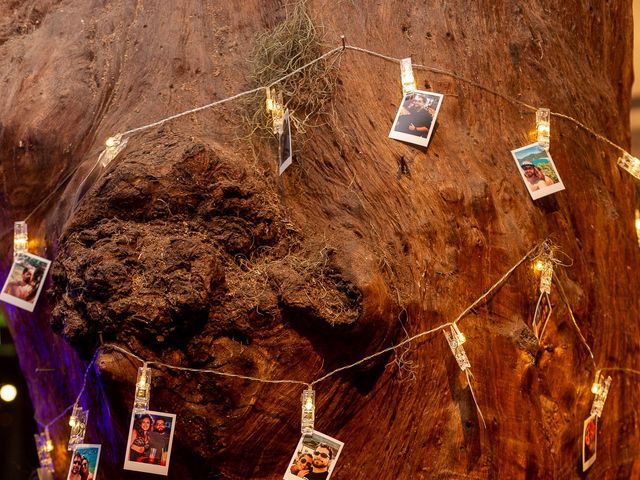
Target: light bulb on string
(630,163)
(78,424)
(113,146)
(455,339)
(143,390)
(44,447)
(308,399)
(543,127)
(20,238)
(275,106)
(600,389)
(406,76)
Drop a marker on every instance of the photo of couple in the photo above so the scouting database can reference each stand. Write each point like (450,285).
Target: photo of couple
(416,117)
(149,443)
(25,281)
(314,458)
(84,462)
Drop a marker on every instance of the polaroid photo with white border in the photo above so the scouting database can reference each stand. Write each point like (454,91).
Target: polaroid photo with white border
(317,453)
(84,462)
(25,281)
(589,441)
(416,117)
(537,170)
(285,151)
(150,442)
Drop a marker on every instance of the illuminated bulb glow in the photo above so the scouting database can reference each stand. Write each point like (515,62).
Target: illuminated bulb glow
(44,447)
(630,164)
(545,267)
(78,423)
(143,390)
(275,105)
(113,146)
(600,391)
(406,75)
(543,126)
(638,225)
(308,399)
(8,393)
(20,238)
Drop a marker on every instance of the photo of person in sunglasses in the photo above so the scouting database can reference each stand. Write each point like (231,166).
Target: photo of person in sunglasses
(302,465)
(315,457)
(322,457)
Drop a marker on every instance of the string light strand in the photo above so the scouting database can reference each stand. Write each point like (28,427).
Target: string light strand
(345,367)
(70,407)
(337,50)
(200,370)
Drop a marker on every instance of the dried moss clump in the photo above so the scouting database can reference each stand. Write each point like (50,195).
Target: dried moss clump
(290,45)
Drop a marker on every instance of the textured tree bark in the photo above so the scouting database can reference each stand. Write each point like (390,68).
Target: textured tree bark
(189,250)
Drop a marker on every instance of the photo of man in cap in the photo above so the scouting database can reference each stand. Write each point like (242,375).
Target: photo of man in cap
(535,178)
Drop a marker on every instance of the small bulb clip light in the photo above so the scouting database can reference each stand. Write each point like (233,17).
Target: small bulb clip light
(455,339)
(113,146)
(638,225)
(143,390)
(308,399)
(600,389)
(20,238)
(44,446)
(406,76)
(544,265)
(630,164)
(78,424)
(275,106)
(543,127)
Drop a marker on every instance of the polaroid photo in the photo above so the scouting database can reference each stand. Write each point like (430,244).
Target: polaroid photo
(25,281)
(589,441)
(285,151)
(84,462)
(416,117)
(150,441)
(315,457)
(537,170)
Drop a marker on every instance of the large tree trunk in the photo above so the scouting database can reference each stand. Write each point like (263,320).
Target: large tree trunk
(189,250)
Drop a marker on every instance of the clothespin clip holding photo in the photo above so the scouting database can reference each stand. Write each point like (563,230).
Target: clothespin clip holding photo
(600,389)
(20,238)
(113,146)
(455,339)
(143,390)
(275,106)
(308,399)
(44,446)
(406,76)
(543,127)
(630,163)
(78,424)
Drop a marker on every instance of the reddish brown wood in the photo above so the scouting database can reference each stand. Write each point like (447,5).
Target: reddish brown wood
(190,250)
